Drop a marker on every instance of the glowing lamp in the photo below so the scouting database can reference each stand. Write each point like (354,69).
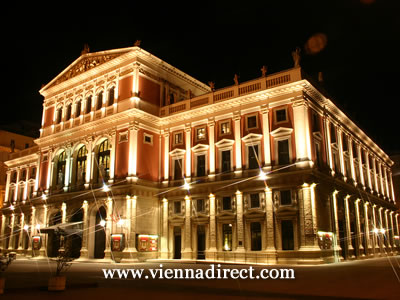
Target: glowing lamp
(102,223)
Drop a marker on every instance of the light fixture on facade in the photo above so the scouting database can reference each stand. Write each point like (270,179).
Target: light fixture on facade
(26,227)
(44,197)
(12,207)
(186,185)
(121,222)
(38,226)
(375,230)
(102,223)
(262,175)
(382,230)
(106,188)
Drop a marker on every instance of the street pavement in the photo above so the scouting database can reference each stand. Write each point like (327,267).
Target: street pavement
(376,278)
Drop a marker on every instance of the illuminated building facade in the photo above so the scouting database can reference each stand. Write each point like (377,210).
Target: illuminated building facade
(135,155)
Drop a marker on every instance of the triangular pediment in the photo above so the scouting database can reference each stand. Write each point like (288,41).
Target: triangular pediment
(252,137)
(177,152)
(224,143)
(281,131)
(200,147)
(84,63)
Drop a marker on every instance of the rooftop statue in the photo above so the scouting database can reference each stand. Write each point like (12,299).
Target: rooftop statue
(296,57)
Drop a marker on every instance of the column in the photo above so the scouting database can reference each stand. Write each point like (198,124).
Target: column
(369,179)
(269,226)
(329,146)
(359,244)
(85,229)
(109,224)
(164,236)
(396,218)
(50,167)
(133,141)
(44,236)
(64,212)
(7,192)
(113,136)
(360,167)
(341,155)
(302,132)
(239,222)
(381,234)
(266,136)
(187,251)
(68,161)
(392,232)
(17,187)
(33,226)
(211,252)
(381,179)
(21,232)
(238,142)
(348,228)
(386,182)
(376,240)
(391,187)
(188,160)
(387,232)
(337,247)
(135,85)
(351,157)
(11,240)
(3,227)
(26,188)
(89,162)
(166,156)
(132,225)
(366,229)
(211,138)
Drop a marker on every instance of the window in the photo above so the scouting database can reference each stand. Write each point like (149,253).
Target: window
(333,134)
(227,237)
(225,127)
(12,194)
(26,145)
(345,143)
(285,197)
(226,161)
(255,229)
(103,158)
(23,175)
(81,165)
(14,177)
(99,101)
(318,157)
(254,200)
(88,104)
(31,188)
(280,115)
(78,108)
(200,133)
(111,96)
(252,122)
(287,235)
(178,138)
(61,161)
(315,122)
(177,207)
(226,203)
(283,152)
(253,157)
(58,115)
(123,137)
(200,205)
(147,139)
(68,113)
(177,169)
(201,165)
(33,173)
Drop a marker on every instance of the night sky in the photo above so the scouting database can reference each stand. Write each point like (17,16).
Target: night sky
(353,43)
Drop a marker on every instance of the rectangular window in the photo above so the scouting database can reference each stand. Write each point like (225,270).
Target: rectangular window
(286,197)
(333,134)
(227,237)
(252,122)
(254,200)
(200,133)
(178,138)
(226,161)
(283,152)
(253,156)
(287,235)
(177,207)
(147,139)
(280,115)
(201,165)
(200,205)
(226,203)
(318,157)
(177,169)
(225,127)
(315,122)
(255,236)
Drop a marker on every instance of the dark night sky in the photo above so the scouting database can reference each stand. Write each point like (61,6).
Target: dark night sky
(360,61)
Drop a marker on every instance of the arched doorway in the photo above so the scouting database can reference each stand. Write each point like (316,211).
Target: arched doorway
(100,233)
(74,241)
(53,240)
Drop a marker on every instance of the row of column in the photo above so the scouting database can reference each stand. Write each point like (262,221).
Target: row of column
(17,185)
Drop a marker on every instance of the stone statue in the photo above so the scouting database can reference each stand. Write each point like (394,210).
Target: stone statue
(137,43)
(296,57)
(264,71)
(80,174)
(86,49)
(320,77)
(102,170)
(60,177)
(212,85)
(236,79)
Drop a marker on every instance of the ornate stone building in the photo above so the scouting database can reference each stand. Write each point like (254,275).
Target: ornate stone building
(137,160)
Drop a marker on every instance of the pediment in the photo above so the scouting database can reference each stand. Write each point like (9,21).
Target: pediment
(200,148)
(177,152)
(252,137)
(84,63)
(224,143)
(281,131)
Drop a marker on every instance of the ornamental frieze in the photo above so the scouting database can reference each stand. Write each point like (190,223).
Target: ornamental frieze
(85,64)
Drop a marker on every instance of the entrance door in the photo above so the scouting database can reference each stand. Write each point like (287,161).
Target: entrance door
(287,235)
(100,234)
(177,242)
(343,238)
(201,242)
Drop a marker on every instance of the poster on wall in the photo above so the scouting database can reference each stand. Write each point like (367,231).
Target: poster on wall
(147,243)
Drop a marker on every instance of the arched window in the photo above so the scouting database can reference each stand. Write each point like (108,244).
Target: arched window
(68,113)
(78,107)
(58,115)
(60,168)
(99,101)
(111,96)
(81,165)
(103,158)
(88,104)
